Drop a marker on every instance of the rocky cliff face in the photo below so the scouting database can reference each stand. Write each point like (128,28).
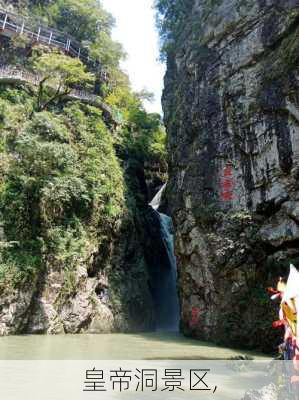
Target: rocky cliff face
(107,292)
(231,108)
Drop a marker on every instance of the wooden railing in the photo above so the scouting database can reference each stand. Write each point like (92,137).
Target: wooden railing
(18,75)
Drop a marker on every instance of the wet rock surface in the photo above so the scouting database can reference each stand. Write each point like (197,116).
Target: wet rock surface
(231,109)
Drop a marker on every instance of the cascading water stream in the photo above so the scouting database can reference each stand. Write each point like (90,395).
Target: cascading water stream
(156,201)
(165,295)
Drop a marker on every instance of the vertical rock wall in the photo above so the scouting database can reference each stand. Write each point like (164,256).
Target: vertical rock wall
(231,104)
(107,292)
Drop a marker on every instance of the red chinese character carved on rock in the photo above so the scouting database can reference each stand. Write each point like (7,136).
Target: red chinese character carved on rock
(227,196)
(195,316)
(228,170)
(227,184)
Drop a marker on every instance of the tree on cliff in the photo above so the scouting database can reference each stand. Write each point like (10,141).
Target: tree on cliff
(59,75)
(143,136)
(89,23)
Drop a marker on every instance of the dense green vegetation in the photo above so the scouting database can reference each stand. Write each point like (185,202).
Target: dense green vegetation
(91,25)
(143,135)
(142,138)
(59,75)
(62,185)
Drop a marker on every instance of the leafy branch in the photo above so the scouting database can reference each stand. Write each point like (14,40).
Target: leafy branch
(60,74)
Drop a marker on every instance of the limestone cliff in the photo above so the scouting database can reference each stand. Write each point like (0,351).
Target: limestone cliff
(231,108)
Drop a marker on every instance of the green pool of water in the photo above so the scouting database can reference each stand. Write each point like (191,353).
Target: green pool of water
(149,346)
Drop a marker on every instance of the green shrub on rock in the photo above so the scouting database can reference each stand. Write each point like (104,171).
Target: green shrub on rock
(62,189)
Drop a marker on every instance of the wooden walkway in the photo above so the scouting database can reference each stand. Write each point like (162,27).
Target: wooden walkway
(12,74)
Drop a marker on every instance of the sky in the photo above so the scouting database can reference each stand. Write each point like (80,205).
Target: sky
(135,30)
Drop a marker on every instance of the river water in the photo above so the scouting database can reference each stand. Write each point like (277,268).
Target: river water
(146,346)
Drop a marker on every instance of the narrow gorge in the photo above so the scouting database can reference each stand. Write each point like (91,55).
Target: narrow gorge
(111,224)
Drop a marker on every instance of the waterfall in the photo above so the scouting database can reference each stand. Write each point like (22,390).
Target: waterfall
(165,285)
(155,203)
(170,310)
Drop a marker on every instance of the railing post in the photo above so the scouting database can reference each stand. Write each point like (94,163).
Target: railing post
(4,22)
(22,28)
(79,52)
(38,34)
(50,38)
(67,45)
